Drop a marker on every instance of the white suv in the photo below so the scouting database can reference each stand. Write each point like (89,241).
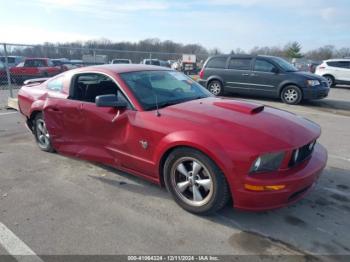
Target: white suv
(336,71)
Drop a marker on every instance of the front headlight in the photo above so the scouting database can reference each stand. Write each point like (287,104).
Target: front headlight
(313,82)
(267,162)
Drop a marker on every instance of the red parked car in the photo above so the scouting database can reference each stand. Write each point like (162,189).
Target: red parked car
(33,68)
(161,125)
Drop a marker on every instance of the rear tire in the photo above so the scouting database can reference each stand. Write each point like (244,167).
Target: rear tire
(41,134)
(291,95)
(330,80)
(195,181)
(216,88)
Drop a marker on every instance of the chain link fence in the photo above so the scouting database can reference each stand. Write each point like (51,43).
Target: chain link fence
(19,62)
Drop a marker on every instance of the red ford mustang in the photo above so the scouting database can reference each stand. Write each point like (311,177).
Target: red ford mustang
(161,125)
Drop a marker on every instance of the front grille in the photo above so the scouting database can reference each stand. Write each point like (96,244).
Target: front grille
(302,153)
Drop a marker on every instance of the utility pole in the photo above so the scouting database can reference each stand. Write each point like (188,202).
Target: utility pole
(8,72)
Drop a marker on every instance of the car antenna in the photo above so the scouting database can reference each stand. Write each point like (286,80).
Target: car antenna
(157,107)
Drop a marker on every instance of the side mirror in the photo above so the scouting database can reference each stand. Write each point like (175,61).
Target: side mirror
(109,101)
(275,70)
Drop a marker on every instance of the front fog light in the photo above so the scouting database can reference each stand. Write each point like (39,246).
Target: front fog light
(264,188)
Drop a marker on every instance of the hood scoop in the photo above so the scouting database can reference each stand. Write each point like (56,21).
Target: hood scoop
(241,106)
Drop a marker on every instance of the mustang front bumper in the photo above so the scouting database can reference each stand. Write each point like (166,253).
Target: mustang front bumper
(298,181)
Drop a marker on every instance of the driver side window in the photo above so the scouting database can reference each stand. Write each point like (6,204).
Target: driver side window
(263,66)
(86,87)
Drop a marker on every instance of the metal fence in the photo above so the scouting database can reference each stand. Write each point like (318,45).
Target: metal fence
(13,70)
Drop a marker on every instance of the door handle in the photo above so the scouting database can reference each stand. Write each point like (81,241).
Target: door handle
(245,74)
(252,74)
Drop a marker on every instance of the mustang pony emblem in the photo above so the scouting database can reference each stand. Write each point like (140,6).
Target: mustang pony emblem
(144,144)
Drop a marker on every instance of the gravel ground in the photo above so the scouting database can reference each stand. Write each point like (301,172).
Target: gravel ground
(4,95)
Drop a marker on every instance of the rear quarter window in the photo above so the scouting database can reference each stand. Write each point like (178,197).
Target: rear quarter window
(55,84)
(217,62)
(263,66)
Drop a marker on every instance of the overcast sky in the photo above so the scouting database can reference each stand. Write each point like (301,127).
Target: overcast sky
(226,24)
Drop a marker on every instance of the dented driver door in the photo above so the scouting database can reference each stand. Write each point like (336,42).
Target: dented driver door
(106,132)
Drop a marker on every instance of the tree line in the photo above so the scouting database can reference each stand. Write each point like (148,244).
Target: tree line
(294,50)
(155,48)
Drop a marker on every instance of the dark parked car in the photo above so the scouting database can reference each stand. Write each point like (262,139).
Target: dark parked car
(266,76)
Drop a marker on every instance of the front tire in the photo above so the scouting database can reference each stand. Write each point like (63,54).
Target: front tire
(195,181)
(41,134)
(330,80)
(216,88)
(291,95)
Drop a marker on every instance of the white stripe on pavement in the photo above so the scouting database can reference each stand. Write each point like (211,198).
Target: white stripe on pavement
(8,113)
(15,246)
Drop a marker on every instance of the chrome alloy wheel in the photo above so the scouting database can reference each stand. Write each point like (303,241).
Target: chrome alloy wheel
(291,95)
(42,134)
(192,181)
(215,88)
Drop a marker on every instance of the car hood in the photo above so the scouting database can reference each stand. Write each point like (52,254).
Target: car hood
(234,122)
(309,75)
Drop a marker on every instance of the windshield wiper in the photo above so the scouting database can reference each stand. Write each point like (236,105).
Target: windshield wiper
(161,105)
(169,103)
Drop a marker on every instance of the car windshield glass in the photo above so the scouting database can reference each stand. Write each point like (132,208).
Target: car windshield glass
(286,66)
(163,88)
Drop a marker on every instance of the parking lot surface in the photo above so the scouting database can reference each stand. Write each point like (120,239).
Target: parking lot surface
(57,205)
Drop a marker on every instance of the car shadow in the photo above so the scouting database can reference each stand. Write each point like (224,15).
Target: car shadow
(131,183)
(328,104)
(320,219)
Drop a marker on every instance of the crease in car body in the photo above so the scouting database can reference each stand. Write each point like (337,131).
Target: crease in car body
(201,147)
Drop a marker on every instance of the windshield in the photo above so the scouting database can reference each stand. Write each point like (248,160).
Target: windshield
(285,65)
(164,88)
